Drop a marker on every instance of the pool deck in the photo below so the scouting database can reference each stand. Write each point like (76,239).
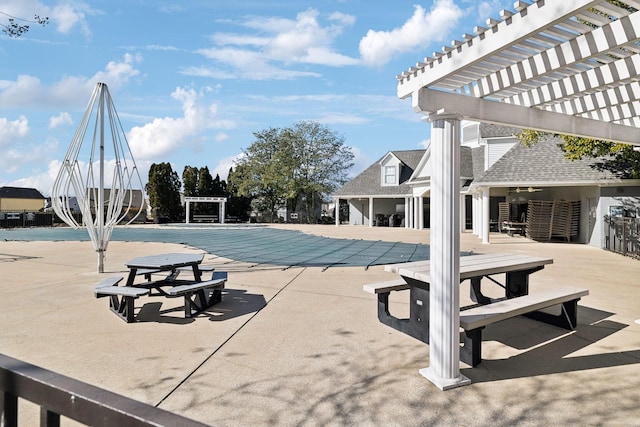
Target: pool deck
(302,346)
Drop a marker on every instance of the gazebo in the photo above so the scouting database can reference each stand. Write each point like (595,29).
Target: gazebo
(568,67)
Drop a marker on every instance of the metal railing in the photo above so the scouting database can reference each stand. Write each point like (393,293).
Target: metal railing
(622,235)
(58,395)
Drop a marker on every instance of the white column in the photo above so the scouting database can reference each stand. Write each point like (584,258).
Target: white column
(221,210)
(414,221)
(188,203)
(444,309)
(485,215)
(336,211)
(370,211)
(420,212)
(407,213)
(474,213)
(463,213)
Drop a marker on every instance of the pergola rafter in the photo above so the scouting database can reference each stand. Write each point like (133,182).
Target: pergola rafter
(561,66)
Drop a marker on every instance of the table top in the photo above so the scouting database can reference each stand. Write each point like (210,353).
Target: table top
(472,266)
(165,261)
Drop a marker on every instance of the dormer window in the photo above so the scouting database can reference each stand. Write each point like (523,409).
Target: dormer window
(390,175)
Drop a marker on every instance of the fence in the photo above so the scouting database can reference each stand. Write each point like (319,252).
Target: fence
(10,219)
(58,395)
(622,235)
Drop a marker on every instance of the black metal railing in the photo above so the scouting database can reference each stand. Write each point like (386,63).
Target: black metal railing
(58,395)
(622,235)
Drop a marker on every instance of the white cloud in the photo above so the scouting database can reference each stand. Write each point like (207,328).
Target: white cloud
(164,135)
(279,43)
(221,136)
(379,47)
(72,91)
(59,120)
(360,162)
(223,166)
(64,16)
(11,130)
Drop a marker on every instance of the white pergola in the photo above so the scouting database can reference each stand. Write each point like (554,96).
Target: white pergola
(561,66)
(221,201)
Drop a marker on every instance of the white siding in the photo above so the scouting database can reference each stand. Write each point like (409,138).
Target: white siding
(496,148)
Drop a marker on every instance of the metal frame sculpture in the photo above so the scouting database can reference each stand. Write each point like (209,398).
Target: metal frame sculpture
(100,212)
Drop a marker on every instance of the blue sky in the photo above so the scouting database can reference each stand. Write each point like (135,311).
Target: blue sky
(193,79)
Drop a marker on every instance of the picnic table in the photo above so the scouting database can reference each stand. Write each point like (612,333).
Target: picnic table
(416,277)
(198,294)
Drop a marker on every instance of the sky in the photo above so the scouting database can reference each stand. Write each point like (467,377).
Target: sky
(192,80)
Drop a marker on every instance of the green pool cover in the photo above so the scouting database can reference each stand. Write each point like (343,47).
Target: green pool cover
(258,245)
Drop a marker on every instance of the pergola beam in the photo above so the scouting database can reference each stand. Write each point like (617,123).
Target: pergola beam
(430,101)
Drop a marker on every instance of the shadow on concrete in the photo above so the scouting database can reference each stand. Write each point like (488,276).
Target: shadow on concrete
(235,303)
(551,348)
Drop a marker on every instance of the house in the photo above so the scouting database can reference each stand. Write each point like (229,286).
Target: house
(382,191)
(499,177)
(532,179)
(21,199)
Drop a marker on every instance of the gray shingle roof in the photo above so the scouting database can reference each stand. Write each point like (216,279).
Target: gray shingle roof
(544,162)
(489,130)
(20,193)
(368,182)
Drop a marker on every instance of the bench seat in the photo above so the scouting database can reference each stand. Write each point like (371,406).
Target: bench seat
(386,287)
(109,281)
(121,298)
(473,320)
(199,296)
(202,268)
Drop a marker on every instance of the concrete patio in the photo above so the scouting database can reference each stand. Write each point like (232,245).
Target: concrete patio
(303,346)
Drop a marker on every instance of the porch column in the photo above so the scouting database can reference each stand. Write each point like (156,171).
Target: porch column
(485,215)
(370,211)
(444,309)
(463,213)
(221,210)
(420,211)
(412,213)
(187,211)
(407,212)
(476,219)
(336,211)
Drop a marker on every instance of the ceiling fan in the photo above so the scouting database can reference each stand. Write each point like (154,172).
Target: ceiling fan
(525,190)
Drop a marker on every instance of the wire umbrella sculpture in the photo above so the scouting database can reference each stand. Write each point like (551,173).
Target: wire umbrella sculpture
(102,206)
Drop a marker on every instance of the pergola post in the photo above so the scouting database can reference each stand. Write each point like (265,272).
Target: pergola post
(444,310)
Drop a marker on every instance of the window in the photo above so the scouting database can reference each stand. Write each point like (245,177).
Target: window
(390,175)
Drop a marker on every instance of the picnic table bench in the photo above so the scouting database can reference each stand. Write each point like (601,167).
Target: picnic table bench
(121,298)
(517,300)
(198,294)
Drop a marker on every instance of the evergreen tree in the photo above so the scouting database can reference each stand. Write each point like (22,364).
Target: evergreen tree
(163,189)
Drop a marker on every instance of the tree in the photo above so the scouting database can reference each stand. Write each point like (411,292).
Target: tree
(292,166)
(237,205)
(322,162)
(620,159)
(163,189)
(219,187)
(190,181)
(13,29)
